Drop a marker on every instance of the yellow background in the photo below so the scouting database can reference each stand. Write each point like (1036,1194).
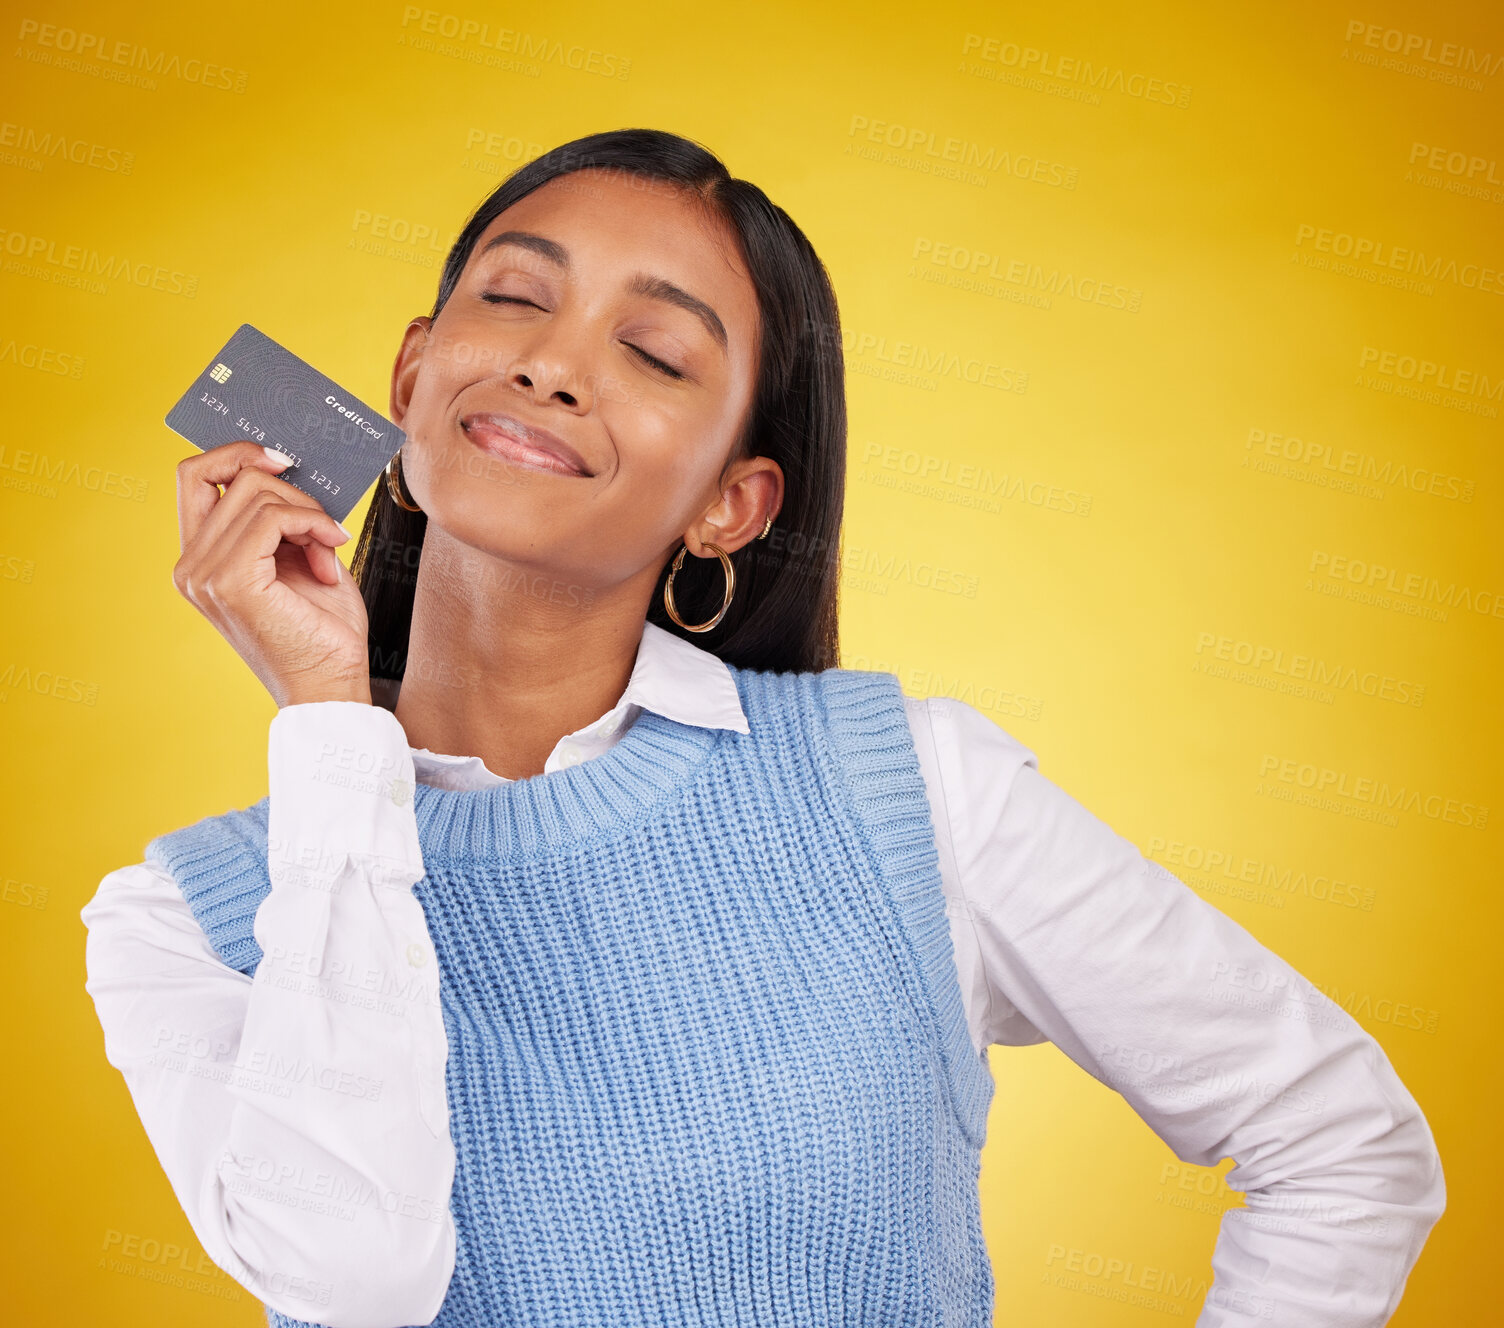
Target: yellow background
(1077,629)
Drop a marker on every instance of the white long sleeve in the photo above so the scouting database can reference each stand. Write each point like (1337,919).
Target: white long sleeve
(1062,931)
(301,1117)
(1219,1045)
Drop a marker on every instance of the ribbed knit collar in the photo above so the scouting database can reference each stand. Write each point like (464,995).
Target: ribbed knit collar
(596,799)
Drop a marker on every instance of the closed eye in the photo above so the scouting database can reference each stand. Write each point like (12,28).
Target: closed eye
(654,361)
(492,297)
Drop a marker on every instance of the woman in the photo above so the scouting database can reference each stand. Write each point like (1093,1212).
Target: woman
(632,962)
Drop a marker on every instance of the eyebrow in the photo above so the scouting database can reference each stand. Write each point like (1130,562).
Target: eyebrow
(655,288)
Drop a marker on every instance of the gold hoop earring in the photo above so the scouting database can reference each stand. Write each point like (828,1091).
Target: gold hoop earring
(668,588)
(766,527)
(394,484)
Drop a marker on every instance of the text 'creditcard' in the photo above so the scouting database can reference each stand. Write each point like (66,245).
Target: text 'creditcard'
(257,389)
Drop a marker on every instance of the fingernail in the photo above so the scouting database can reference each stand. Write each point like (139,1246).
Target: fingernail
(281,458)
(341,525)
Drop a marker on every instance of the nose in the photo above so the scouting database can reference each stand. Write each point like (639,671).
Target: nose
(554,366)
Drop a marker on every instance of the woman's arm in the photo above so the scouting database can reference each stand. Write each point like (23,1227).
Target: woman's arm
(301,1117)
(1222,1047)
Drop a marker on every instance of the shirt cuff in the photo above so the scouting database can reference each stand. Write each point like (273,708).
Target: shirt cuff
(340,776)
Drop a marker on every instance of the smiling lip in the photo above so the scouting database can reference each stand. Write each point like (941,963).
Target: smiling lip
(510,439)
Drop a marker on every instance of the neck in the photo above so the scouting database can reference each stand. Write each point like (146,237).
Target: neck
(504,659)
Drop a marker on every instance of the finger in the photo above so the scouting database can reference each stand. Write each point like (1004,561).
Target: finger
(248,488)
(269,524)
(245,551)
(323,562)
(199,477)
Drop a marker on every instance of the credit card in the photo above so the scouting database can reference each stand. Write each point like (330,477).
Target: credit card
(254,388)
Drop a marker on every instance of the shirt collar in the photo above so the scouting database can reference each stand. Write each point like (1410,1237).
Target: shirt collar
(678,680)
(670,676)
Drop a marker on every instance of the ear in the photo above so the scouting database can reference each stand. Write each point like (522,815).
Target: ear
(751,492)
(405,370)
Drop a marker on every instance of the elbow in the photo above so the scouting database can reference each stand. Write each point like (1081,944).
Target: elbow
(1419,1182)
(1406,1162)
(401,1281)
(393,1272)
(1366,1142)
(1417,1196)
(1431,1200)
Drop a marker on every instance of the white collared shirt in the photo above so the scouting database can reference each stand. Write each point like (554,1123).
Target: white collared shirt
(1062,931)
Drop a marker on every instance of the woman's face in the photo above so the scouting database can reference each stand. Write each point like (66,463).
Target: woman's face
(606,321)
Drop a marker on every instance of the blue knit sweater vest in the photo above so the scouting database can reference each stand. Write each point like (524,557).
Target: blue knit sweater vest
(708,1060)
